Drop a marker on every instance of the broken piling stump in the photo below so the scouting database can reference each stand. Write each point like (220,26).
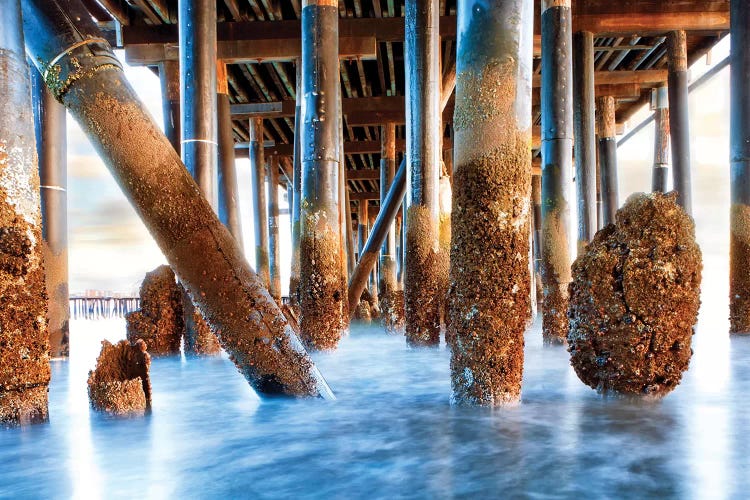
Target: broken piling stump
(120,384)
(634,299)
(160,320)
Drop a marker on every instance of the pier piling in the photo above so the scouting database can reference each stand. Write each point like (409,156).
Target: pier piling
(489,267)
(423,122)
(660,170)
(557,158)
(607,158)
(322,283)
(24,343)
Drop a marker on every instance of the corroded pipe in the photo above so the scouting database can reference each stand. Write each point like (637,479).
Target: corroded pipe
(679,118)
(84,74)
(24,347)
(489,271)
(739,250)
(322,283)
(585,135)
(660,170)
(557,148)
(51,138)
(260,211)
(423,122)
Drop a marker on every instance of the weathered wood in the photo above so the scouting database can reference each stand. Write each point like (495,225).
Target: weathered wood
(235,52)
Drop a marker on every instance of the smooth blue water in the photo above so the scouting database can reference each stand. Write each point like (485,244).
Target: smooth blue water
(391,434)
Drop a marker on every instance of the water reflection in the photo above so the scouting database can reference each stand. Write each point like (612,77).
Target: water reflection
(391,433)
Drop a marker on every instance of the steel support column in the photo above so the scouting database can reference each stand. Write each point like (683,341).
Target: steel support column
(295,202)
(169,77)
(607,158)
(260,211)
(585,135)
(557,149)
(51,141)
(322,284)
(660,170)
(229,197)
(274,244)
(490,285)
(423,122)
(739,250)
(24,345)
(679,118)
(197,36)
(388,283)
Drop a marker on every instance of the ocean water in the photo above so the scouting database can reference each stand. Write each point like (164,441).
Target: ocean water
(391,433)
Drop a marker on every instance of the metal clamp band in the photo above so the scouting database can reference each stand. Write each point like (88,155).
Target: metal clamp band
(69,50)
(184,141)
(55,188)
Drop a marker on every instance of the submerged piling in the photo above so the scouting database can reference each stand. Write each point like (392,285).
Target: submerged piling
(260,211)
(660,170)
(322,283)
(739,249)
(607,158)
(489,271)
(84,74)
(679,118)
(423,121)
(51,141)
(585,135)
(557,149)
(24,345)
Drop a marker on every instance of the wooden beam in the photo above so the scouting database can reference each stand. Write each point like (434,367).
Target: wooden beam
(370,174)
(245,51)
(385,29)
(601,17)
(646,77)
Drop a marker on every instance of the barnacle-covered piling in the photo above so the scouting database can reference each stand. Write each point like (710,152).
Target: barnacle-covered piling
(322,282)
(423,121)
(557,149)
(24,346)
(490,278)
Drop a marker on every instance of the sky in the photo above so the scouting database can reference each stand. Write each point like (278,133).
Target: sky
(110,248)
